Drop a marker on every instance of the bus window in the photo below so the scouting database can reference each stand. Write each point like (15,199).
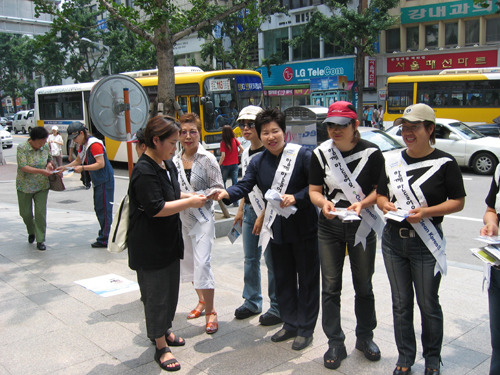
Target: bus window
(195,104)
(183,102)
(457,98)
(400,96)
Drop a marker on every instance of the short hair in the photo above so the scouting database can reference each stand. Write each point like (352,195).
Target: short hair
(267,116)
(192,118)
(427,125)
(139,134)
(38,132)
(161,126)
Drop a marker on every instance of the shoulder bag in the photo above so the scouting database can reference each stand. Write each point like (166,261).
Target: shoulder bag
(117,240)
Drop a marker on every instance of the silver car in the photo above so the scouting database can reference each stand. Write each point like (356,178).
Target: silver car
(469,147)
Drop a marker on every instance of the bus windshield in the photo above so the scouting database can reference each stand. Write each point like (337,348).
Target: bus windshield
(230,94)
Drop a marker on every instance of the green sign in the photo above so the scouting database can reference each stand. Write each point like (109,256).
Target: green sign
(445,11)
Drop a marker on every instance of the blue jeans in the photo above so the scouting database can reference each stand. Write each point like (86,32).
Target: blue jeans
(334,236)
(410,265)
(494,300)
(230,171)
(252,289)
(103,196)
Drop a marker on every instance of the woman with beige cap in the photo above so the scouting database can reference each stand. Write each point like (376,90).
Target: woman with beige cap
(418,187)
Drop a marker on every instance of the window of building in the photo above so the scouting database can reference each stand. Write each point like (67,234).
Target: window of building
(412,38)
(431,36)
(295,4)
(493,30)
(393,40)
(471,32)
(307,50)
(451,34)
(332,50)
(276,42)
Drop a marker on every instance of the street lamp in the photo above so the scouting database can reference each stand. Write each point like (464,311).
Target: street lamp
(98,44)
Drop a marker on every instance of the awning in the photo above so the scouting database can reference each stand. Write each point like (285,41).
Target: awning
(287,87)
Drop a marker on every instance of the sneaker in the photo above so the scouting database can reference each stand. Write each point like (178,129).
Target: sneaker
(99,244)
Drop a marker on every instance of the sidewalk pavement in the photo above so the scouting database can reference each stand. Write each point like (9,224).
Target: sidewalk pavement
(50,325)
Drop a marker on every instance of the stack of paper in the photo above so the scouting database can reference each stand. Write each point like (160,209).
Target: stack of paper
(398,215)
(274,199)
(344,214)
(489,254)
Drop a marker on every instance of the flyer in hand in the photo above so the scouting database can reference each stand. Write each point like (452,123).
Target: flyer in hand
(490,253)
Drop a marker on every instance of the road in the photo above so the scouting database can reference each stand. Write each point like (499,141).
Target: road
(460,229)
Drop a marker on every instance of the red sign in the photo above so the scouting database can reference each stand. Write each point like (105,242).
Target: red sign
(457,60)
(279,92)
(372,73)
(288,74)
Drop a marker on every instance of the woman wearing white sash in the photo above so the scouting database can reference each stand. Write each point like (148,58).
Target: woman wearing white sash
(293,240)
(490,228)
(426,183)
(198,171)
(344,174)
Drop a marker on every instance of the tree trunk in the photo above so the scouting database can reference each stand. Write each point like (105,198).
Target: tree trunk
(166,76)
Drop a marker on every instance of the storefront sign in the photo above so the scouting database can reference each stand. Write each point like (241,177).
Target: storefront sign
(370,72)
(480,59)
(296,73)
(382,94)
(279,92)
(446,11)
(328,83)
(301,92)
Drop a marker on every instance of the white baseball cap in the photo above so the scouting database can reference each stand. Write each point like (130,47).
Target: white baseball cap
(417,113)
(249,113)
(55,128)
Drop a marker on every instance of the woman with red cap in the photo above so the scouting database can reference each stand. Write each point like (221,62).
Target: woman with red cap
(343,176)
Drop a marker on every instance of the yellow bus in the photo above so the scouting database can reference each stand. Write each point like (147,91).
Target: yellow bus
(468,95)
(216,96)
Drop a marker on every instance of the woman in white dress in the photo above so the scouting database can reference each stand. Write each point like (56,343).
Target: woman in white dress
(198,172)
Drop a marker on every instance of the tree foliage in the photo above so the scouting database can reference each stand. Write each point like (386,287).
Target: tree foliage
(17,66)
(352,30)
(159,22)
(237,34)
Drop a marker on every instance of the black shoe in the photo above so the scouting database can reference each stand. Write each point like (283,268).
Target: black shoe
(31,238)
(98,244)
(430,371)
(399,371)
(41,246)
(269,319)
(283,335)
(244,312)
(334,356)
(301,342)
(369,349)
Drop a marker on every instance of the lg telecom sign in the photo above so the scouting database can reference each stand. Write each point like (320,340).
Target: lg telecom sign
(297,73)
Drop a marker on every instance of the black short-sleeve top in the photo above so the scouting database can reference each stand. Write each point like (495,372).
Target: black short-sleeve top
(437,181)
(153,242)
(365,162)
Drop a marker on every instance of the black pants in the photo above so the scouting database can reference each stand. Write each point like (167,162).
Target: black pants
(159,294)
(296,270)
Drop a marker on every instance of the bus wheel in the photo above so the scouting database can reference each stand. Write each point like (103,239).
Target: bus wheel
(16,131)
(484,163)
(24,130)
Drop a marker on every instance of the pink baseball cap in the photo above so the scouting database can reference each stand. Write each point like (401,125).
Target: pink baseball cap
(341,113)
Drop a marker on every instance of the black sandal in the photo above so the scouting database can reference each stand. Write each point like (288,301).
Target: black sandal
(176,341)
(164,365)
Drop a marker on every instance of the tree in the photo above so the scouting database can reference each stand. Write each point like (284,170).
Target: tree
(50,61)
(17,66)
(352,30)
(237,34)
(160,22)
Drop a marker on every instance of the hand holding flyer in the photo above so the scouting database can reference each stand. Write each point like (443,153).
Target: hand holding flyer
(345,215)
(398,215)
(274,199)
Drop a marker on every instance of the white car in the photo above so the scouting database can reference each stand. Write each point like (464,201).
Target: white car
(381,139)
(5,138)
(470,148)
(24,121)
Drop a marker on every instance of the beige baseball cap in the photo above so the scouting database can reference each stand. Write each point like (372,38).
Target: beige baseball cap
(417,113)
(249,113)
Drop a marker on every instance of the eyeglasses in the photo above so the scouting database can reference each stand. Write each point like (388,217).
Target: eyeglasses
(249,124)
(332,125)
(192,133)
(411,128)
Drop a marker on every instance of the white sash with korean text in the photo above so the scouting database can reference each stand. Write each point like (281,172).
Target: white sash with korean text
(255,196)
(280,184)
(396,171)
(339,175)
(202,214)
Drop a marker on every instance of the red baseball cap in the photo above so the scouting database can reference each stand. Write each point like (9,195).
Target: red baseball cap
(341,113)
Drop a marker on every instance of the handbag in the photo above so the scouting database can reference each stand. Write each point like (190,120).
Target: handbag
(117,240)
(56,182)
